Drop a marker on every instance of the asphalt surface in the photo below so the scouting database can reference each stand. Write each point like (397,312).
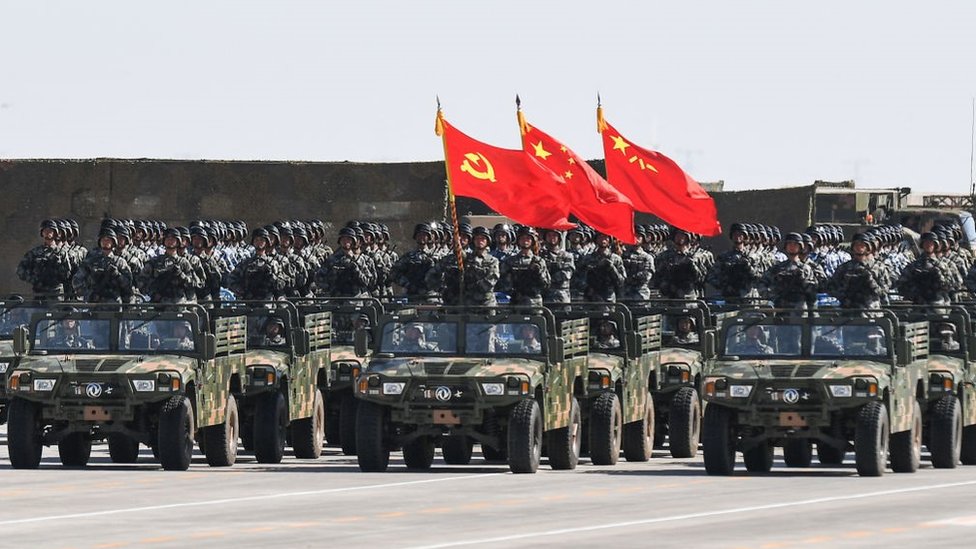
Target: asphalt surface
(328,502)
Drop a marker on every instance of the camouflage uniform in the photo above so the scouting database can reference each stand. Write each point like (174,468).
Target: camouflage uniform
(928,280)
(103,278)
(737,272)
(410,273)
(679,275)
(605,275)
(527,276)
(562,267)
(790,284)
(170,279)
(345,275)
(214,268)
(859,285)
(639,266)
(481,273)
(46,269)
(256,278)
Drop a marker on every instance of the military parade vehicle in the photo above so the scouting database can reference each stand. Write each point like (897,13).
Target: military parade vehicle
(617,406)
(504,377)
(159,375)
(287,367)
(840,378)
(13,313)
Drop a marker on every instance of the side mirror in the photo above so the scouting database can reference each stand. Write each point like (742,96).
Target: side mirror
(299,337)
(361,342)
(21,342)
(708,344)
(209,346)
(556,349)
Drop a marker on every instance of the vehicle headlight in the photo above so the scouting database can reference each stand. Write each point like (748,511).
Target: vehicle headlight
(144,385)
(940,382)
(392,388)
(493,389)
(3,367)
(841,391)
(43,384)
(740,391)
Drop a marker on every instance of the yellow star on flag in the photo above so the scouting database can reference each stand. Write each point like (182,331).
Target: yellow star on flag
(568,175)
(541,152)
(572,160)
(620,145)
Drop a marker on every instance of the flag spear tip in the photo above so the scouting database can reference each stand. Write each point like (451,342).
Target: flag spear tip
(598,103)
(518,102)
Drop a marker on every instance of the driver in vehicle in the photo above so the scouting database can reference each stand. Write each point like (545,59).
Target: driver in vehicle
(685,332)
(274,332)
(753,343)
(413,339)
(529,336)
(606,337)
(181,339)
(69,336)
(947,337)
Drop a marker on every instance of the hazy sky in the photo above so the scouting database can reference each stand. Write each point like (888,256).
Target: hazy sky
(760,94)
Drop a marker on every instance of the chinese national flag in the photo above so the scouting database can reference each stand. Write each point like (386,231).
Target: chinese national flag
(594,201)
(655,184)
(509,181)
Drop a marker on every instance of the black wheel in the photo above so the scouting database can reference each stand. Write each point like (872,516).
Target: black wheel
(905,451)
(564,443)
(347,424)
(606,426)
(75,449)
(684,423)
(492,455)
(419,453)
(830,455)
(457,449)
(525,437)
(123,449)
(270,428)
(638,439)
(24,435)
(308,434)
(373,454)
(871,439)
(798,452)
(759,458)
(221,445)
(174,440)
(718,440)
(945,435)
(968,452)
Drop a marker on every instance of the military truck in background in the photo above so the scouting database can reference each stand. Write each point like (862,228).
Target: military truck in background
(158,375)
(280,398)
(842,379)
(13,313)
(504,377)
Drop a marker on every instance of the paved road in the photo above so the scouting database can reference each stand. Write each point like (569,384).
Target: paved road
(663,503)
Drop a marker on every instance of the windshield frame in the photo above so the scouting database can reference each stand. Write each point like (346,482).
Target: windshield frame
(114,331)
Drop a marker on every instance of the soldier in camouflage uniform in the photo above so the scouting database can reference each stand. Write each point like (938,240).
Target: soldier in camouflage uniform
(481,273)
(257,277)
(525,273)
(391,257)
(791,284)
(928,280)
(502,236)
(561,265)
(169,278)
(603,270)
(346,273)
(737,271)
(307,254)
(410,271)
(302,276)
(577,246)
(103,277)
(679,273)
(639,266)
(46,267)
(862,282)
(214,268)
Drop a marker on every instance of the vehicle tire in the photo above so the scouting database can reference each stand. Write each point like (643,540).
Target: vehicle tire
(905,450)
(24,434)
(638,439)
(457,449)
(372,454)
(270,428)
(684,423)
(347,424)
(967,454)
(759,458)
(798,452)
(564,443)
(606,430)
(308,434)
(419,453)
(525,437)
(945,436)
(221,445)
(718,440)
(830,455)
(492,455)
(123,449)
(75,449)
(174,439)
(871,439)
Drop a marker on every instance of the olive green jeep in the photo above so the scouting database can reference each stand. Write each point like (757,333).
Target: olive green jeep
(13,313)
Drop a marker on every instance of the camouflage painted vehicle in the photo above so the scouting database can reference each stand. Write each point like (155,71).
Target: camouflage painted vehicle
(503,377)
(949,406)
(287,365)
(841,378)
(348,314)
(13,313)
(159,375)
(617,406)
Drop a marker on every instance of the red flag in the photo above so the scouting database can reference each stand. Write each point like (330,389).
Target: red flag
(593,200)
(509,181)
(655,184)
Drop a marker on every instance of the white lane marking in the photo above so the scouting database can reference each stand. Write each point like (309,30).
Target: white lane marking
(241,499)
(955,521)
(704,514)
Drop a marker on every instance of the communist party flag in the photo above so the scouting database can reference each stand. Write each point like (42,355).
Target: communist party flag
(655,184)
(509,181)
(593,200)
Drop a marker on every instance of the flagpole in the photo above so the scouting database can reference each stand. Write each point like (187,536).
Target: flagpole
(458,252)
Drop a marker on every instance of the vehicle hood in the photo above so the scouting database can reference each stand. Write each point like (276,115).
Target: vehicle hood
(450,367)
(123,364)
(798,369)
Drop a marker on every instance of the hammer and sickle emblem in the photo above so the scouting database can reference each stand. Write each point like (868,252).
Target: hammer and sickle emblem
(472,163)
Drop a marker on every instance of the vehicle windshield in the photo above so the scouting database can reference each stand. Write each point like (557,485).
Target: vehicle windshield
(419,337)
(14,317)
(502,338)
(266,331)
(156,335)
(72,334)
(782,340)
(849,340)
(604,335)
(344,326)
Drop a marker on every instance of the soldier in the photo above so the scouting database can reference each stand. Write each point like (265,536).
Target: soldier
(501,236)
(577,246)
(302,277)
(606,335)
(383,242)
(685,332)
(752,344)
(525,273)
(639,266)
(345,273)
(307,253)
(603,270)
(213,264)
(860,283)
(413,340)
(481,272)
(46,267)
(257,277)
(103,277)
(737,271)
(381,261)
(561,265)
(679,273)
(170,278)
(410,271)
(791,284)
(928,280)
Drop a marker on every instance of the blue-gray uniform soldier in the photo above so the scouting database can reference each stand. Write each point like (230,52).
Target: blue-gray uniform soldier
(345,273)
(103,277)
(525,273)
(862,282)
(791,283)
(561,265)
(47,267)
(603,270)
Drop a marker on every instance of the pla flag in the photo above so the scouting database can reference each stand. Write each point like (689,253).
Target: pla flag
(509,181)
(656,184)
(593,200)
